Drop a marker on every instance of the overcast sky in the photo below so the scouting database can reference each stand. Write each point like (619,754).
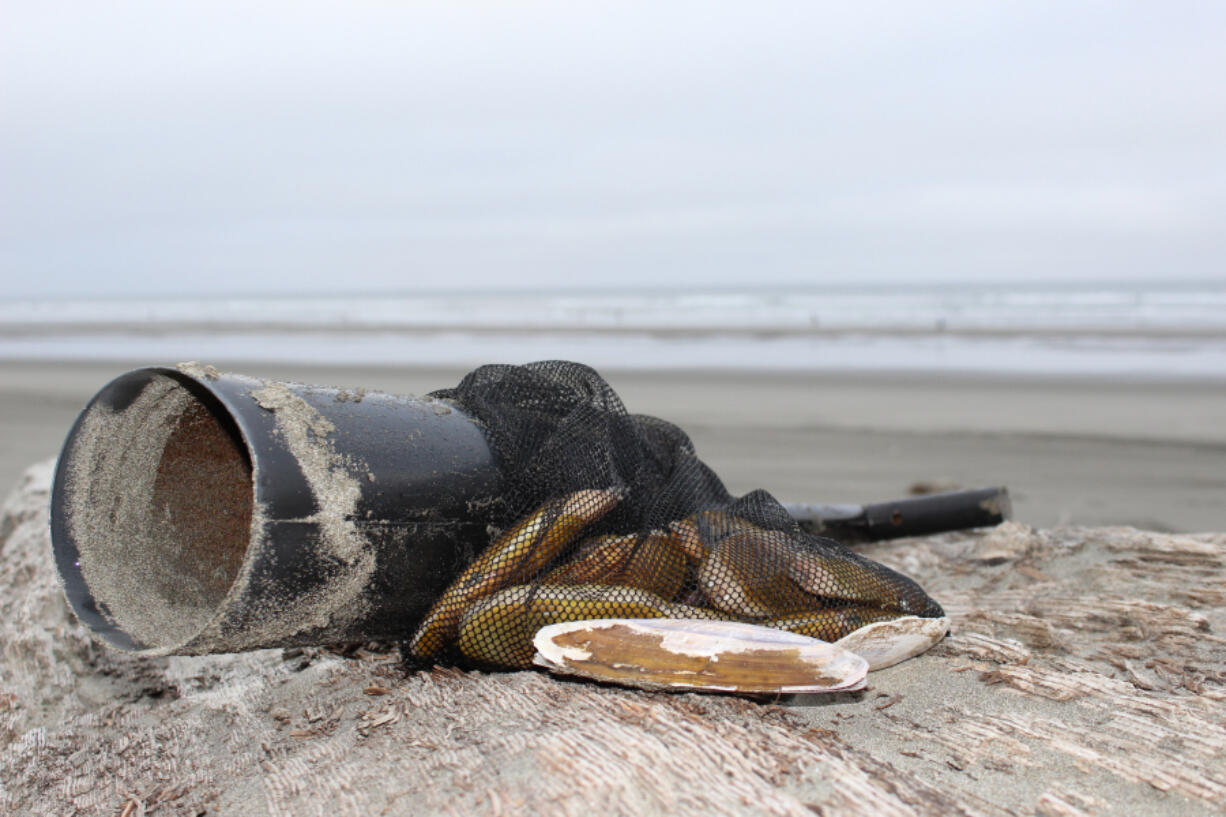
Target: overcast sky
(215,147)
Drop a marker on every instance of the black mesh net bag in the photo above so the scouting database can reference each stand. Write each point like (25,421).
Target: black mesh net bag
(612,515)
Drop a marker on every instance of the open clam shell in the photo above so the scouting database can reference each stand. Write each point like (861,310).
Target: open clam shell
(886,643)
(697,655)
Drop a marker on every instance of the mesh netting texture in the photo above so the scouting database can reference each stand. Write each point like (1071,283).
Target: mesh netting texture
(612,515)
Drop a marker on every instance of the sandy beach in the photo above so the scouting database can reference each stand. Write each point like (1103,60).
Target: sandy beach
(1078,642)
(1071,450)
(855,257)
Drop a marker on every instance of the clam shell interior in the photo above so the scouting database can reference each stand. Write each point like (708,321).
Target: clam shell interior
(691,654)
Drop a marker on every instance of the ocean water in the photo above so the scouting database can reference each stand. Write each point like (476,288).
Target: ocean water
(1153,330)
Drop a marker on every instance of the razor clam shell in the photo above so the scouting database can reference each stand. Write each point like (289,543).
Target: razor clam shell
(697,655)
(499,629)
(886,643)
(516,554)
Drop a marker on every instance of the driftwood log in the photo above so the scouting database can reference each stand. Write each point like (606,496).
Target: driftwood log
(1086,675)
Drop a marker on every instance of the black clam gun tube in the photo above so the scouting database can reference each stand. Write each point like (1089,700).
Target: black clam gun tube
(914,516)
(196,512)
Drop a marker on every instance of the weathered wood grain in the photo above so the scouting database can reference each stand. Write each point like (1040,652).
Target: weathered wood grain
(1086,676)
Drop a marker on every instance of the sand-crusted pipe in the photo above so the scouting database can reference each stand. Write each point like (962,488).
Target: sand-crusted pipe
(196,512)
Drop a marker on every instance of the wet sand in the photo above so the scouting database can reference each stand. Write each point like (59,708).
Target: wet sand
(1071,450)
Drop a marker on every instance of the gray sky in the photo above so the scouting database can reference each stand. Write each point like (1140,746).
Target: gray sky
(195,147)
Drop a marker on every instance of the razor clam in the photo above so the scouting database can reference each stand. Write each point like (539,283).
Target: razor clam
(689,538)
(885,643)
(519,553)
(817,578)
(714,526)
(831,624)
(499,629)
(745,575)
(698,531)
(593,559)
(654,562)
(706,613)
(694,655)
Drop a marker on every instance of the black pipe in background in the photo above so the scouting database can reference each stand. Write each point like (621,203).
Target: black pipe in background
(914,516)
